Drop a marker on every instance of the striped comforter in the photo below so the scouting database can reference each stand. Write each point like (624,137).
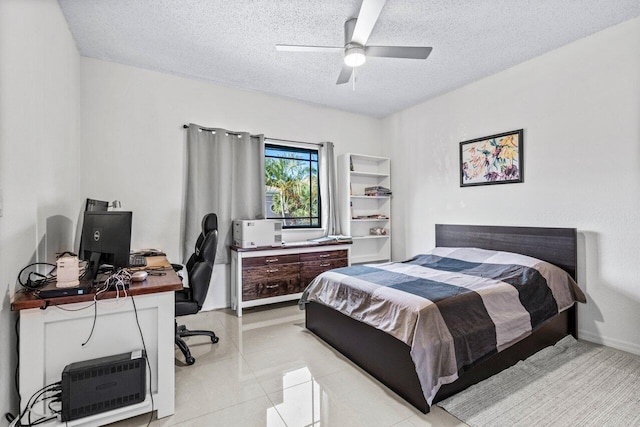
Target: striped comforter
(454,306)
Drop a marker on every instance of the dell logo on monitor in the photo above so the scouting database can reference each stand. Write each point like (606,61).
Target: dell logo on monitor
(96,235)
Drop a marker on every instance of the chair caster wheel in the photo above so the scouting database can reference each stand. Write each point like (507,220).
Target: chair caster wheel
(215,339)
(190,360)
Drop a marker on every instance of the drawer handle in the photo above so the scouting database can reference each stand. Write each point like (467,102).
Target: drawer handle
(324,255)
(271,260)
(272,286)
(325,264)
(273,270)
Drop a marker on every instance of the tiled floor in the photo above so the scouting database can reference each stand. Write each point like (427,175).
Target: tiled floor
(268,371)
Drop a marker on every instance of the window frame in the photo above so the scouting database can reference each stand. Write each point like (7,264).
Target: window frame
(299,148)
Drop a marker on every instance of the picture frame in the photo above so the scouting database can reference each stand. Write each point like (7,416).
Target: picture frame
(494,159)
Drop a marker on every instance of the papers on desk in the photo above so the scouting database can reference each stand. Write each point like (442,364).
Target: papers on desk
(331,238)
(148,252)
(158,261)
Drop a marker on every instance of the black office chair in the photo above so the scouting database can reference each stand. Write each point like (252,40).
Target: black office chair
(199,268)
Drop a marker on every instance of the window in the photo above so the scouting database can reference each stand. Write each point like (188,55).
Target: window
(292,189)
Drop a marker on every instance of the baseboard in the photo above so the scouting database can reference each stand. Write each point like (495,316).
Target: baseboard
(610,342)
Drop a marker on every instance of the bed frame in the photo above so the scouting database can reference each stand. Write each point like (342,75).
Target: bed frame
(388,359)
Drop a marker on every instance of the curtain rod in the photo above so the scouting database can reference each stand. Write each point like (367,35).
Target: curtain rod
(319,144)
(212,129)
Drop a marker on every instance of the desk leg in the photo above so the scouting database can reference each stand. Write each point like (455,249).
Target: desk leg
(236,283)
(166,355)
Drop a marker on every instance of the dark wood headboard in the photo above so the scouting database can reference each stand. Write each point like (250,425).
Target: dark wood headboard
(557,246)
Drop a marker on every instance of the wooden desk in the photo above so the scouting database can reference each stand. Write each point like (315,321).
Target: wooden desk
(52,332)
(169,282)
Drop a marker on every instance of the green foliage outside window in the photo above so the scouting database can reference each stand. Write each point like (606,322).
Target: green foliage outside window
(291,186)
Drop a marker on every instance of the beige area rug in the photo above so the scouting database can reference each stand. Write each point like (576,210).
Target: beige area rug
(573,383)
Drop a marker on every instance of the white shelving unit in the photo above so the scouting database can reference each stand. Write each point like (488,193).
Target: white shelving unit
(358,212)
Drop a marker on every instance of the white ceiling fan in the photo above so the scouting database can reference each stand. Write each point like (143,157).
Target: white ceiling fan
(356,33)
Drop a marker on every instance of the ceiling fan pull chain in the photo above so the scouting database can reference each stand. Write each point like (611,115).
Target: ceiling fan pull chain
(355,75)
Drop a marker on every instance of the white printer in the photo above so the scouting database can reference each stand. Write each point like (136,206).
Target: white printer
(252,233)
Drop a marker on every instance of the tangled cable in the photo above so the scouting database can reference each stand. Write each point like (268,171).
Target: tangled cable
(117,281)
(37,280)
(51,393)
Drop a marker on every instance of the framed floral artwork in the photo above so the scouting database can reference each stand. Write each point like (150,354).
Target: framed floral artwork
(495,159)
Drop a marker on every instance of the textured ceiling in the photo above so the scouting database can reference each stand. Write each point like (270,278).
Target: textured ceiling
(232,42)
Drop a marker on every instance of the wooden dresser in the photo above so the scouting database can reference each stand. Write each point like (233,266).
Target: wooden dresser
(267,275)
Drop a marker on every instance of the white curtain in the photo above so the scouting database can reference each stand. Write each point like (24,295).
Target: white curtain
(328,194)
(224,176)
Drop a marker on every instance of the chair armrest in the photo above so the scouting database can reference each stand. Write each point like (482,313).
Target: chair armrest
(185,292)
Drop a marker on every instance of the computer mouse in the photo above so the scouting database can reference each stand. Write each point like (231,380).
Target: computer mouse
(139,276)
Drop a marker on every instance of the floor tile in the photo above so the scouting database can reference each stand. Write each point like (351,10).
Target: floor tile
(346,398)
(438,417)
(201,347)
(210,385)
(287,312)
(285,366)
(268,370)
(269,335)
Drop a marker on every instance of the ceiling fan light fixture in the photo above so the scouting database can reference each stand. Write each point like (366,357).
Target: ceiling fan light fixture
(354,56)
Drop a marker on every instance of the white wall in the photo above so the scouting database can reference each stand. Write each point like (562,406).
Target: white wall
(133,144)
(580,109)
(39,152)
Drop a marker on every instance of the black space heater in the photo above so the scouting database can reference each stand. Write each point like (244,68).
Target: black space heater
(103,384)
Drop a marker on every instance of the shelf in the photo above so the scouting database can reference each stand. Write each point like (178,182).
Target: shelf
(356,173)
(369,158)
(372,236)
(370,197)
(368,259)
(370,174)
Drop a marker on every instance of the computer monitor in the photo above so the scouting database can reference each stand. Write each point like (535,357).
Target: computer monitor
(106,239)
(91,205)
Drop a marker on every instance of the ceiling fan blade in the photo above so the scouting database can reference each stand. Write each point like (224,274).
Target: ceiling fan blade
(409,52)
(367,18)
(345,75)
(299,48)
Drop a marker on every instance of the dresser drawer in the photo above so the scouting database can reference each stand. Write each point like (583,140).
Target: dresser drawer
(270,289)
(321,256)
(270,281)
(310,269)
(259,279)
(270,260)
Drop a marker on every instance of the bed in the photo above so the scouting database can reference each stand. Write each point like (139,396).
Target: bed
(389,359)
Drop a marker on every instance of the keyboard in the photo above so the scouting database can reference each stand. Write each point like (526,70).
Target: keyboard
(137,261)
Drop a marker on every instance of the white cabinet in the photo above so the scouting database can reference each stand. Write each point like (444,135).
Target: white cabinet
(365,214)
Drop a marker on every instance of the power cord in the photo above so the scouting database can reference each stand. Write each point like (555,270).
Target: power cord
(119,280)
(17,374)
(38,396)
(16,377)
(37,280)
